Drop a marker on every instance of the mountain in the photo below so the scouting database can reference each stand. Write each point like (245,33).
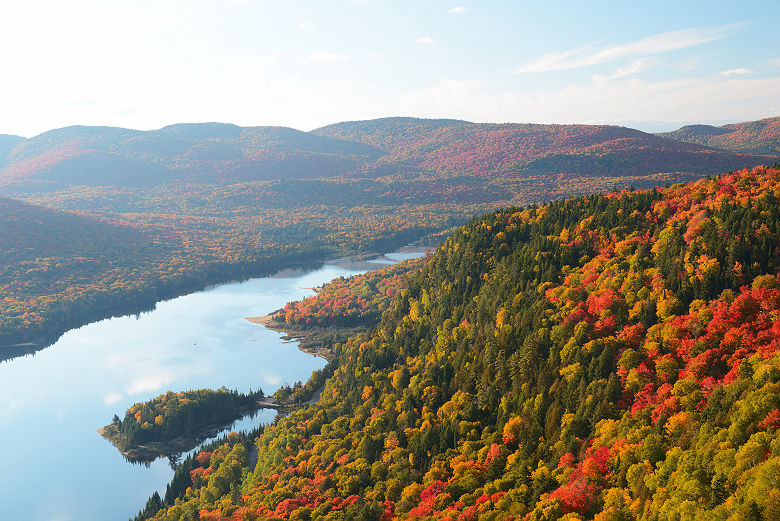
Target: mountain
(7,143)
(527,150)
(202,153)
(33,232)
(600,357)
(224,154)
(222,201)
(57,267)
(752,137)
(390,134)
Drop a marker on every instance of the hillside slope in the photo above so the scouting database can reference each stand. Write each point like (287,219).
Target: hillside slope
(527,150)
(56,267)
(227,199)
(224,154)
(604,357)
(751,137)
(206,153)
(7,143)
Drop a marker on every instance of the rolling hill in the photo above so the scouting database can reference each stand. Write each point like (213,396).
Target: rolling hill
(527,150)
(58,267)
(209,153)
(7,143)
(602,357)
(223,201)
(224,154)
(752,137)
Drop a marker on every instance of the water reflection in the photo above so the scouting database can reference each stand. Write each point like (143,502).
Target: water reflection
(253,420)
(52,403)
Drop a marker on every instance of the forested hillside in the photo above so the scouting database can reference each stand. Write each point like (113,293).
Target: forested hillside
(353,301)
(55,264)
(523,150)
(600,357)
(213,202)
(7,143)
(751,137)
(211,153)
(215,153)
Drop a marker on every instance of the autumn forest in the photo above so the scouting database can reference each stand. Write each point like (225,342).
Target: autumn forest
(593,333)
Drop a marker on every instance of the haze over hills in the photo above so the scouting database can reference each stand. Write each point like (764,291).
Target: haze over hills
(222,201)
(751,137)
(7,143)
(216,153)
(522,150)
(206,152)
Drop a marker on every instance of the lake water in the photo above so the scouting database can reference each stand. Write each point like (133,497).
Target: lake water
(55,467)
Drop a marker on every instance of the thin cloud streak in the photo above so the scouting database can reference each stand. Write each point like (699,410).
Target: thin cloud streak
(425,40)
(741,71)
(656,44)
(634,67)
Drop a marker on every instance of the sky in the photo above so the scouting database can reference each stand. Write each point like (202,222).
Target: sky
(304,64)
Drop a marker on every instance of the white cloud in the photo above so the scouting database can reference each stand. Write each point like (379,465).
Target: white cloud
(305,24)
(327,57)
(112,398)
(144,385)
(656,44)
(633,67)
(425,40)
(599,100)
(459,9)
(741,71)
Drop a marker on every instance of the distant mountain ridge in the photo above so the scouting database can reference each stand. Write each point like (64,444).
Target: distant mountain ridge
(222,153)
(7,143)
(204,153)
(533,149)
(215,201)
(751,137)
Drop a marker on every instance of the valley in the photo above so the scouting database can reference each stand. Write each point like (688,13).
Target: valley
(594,296)
(162,213)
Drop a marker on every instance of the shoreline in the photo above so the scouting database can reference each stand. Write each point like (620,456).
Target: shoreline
(265,320)
(151,451)
(358,261)
(291,334)
(45,335)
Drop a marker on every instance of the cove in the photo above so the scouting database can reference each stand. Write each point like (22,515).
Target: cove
(55,465)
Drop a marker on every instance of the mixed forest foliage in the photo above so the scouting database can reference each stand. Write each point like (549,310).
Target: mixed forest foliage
(350,301)
(752,137)
(215,202)
(529,149)
(173,415)
(601,357)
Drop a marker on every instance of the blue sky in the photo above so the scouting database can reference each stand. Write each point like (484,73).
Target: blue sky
(144,64)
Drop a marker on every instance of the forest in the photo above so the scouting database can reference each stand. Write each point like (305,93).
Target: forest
(351,301)
(177,415)
(750,137)
(172,210)
(601,357)
(190,230)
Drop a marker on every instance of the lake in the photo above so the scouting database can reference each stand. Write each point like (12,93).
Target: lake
(55,465)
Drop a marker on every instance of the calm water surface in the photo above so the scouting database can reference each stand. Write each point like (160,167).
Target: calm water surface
(55,467)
